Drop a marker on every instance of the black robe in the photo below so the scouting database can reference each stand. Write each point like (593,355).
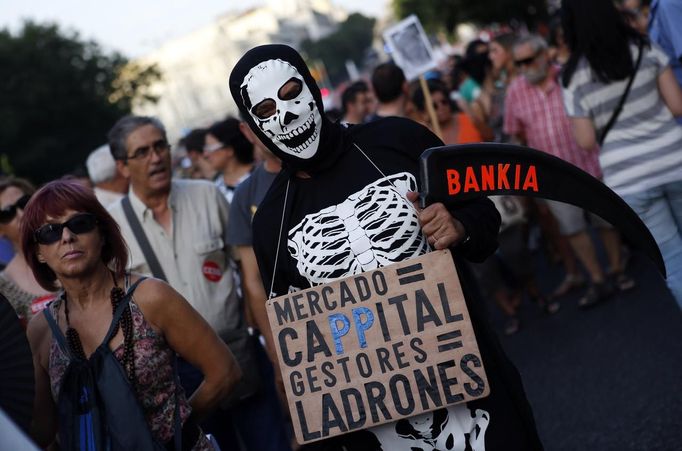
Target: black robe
(394,145)
(334,192)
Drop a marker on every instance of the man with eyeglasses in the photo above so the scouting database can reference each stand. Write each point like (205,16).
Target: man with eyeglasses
(185,224)
(535,115)
(230,154)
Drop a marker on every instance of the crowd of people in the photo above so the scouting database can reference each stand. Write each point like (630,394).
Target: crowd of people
(161,263)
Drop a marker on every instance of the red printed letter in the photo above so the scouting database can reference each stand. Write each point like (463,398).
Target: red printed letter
(502,181)
(470,182)
(488,177)
(453,181)
(531,179)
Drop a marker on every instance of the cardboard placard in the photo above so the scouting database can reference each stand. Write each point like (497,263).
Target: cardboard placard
(376,347)
(410,47)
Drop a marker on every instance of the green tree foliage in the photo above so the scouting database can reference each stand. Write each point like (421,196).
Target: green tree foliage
(444,15)
(58,98)
(349,42)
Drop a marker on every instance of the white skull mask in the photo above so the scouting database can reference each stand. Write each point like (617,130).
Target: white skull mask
(283,107)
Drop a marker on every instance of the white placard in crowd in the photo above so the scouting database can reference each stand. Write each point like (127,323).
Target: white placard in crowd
(410,47)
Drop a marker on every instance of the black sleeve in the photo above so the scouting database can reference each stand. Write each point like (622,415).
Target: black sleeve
(417,137)
(263,252)
(481,220)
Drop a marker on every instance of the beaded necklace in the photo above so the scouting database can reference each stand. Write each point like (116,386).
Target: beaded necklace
(128,361)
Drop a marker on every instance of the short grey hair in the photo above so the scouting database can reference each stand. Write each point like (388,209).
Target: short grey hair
(118,135)
(101,165)
(537,42)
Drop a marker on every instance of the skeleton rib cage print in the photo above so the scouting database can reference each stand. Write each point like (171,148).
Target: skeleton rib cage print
(373,227)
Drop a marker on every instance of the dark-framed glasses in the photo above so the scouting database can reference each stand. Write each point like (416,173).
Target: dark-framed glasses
(526,61)
(9,212)
(159,147)
(51,233)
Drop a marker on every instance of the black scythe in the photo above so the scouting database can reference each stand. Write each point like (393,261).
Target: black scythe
(451,174)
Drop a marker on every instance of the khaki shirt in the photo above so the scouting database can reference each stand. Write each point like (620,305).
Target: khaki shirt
(195,257)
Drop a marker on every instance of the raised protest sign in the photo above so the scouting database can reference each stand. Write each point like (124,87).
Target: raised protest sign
(376,347)
(410,48)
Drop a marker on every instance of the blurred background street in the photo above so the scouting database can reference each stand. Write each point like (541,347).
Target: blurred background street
(604,378)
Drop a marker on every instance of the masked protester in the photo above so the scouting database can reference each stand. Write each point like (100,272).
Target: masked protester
(340,183)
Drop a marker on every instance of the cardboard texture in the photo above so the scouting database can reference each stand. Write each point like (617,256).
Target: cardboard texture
(376,347)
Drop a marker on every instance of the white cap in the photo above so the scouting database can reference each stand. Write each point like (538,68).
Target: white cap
(101,165)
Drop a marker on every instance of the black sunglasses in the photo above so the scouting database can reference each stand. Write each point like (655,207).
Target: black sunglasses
(51,233)
(526,61)
(9,212)
(444,102)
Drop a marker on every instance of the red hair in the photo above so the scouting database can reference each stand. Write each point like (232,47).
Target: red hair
(54,199)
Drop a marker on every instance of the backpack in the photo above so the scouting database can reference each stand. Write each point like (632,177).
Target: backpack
(97,407)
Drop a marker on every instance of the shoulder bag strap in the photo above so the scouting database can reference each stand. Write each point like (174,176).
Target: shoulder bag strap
(56,332)
(141,237)
(619,108)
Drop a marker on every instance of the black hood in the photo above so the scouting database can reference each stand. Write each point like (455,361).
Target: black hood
(252,76)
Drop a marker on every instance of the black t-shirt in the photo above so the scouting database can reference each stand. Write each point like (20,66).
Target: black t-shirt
(319,243)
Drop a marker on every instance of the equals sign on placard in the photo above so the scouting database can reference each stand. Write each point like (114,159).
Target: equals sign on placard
(449,341)
(408,273)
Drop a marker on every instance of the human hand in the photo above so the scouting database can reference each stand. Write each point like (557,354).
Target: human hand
(441,229)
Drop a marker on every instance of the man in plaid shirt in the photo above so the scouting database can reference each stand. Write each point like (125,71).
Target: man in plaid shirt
(535,116)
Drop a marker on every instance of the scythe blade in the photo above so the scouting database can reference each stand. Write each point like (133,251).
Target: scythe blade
(452,174)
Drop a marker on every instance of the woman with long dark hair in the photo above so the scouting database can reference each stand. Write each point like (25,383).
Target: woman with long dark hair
(641,144)
(456,127)
(487,110)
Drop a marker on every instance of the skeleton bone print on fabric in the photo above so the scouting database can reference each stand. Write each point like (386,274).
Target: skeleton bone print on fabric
(373,227)
(455,428)
(283,107)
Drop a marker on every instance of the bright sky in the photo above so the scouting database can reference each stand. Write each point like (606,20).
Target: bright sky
(134,27)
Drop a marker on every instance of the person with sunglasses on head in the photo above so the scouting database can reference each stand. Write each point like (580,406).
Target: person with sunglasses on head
(17,282)
(70,240)
(230,154)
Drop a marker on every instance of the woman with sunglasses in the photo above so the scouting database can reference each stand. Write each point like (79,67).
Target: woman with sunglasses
(17,282)
(70,239)
(456,127)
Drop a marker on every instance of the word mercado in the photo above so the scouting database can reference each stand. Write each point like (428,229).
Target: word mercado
(376,347)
